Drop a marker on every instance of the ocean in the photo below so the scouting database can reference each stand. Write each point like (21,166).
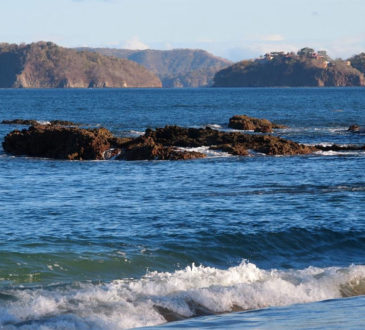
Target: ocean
(221,242)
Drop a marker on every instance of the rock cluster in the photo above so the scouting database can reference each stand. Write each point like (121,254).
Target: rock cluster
(244,122)
(233,142)
(168,143)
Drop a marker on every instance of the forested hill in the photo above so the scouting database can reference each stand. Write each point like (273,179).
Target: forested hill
(305,68)
(46,65)
(175,68)
(358,62)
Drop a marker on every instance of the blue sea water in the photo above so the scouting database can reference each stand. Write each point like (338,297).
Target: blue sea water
(224,242)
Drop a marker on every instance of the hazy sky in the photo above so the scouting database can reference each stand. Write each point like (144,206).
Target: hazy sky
(235,29)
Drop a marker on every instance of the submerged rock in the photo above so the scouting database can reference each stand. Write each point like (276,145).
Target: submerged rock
(244,122)
(33,122)
(356,129)
(336,147)
(20,122)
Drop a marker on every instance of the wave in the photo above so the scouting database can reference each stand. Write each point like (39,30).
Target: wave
(160,297)
(43,122)
(340,153)
(207,151)
(213,126)
(134,133)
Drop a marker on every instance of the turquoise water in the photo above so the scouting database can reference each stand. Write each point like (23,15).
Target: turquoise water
(244,240)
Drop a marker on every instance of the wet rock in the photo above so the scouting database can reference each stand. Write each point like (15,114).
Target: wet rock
(68,142)
(33,122)
(233,149)
(63,123)
(244,122)
(336,147)
(145,148)
(59,142)
(20,122)
(233,142)
(356,129)
(168,314)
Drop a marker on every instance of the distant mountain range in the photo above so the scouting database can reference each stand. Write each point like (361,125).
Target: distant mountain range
(175,68)
(305,68)
(46,65)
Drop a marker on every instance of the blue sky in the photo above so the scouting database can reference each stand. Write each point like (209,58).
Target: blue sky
(234,29)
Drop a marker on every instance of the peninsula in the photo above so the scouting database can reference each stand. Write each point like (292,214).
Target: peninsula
(46,65)
(306,68)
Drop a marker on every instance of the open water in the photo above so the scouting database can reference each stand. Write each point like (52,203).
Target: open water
(221,242)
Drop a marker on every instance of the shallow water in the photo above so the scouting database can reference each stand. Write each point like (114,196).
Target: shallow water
(125,244)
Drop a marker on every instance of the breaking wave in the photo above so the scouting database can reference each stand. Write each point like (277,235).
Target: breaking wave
(160,297)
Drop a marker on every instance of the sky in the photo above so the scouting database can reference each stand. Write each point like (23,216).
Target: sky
(234,29)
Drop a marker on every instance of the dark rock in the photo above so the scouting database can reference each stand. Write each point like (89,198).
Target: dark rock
(168,314)
(59,142)
(196,137)
(20,122)
(356,129)
(336,147)
(33,122)
(63,123)
(233,149)
(64,142)
(244,122)
(145,148)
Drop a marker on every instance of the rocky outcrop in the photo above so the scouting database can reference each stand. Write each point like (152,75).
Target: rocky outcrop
(59,142)
(244,122)
(168,143)
(72,143)
(197,137)
(46,65)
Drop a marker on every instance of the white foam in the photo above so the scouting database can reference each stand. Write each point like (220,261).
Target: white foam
(134,133)
(208,152)
(130,303)
(213,126)
(43,122)
(340,153)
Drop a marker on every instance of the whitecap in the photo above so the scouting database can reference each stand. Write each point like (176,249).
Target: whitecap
(134,133)
(43,122)
(185,293)
(207,151)
(340,153)
(213,126)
